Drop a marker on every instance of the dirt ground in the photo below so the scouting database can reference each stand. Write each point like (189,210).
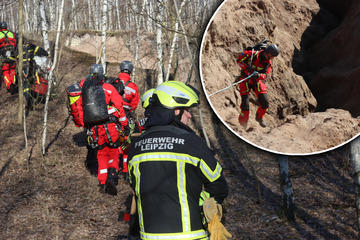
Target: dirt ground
(56,197)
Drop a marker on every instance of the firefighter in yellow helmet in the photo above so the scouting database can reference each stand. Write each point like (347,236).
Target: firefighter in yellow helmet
(170,165)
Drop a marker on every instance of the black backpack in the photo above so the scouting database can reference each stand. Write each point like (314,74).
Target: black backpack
(259,46)
(94,104)
(119,86)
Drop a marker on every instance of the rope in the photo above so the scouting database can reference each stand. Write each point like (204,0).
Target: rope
(233,84)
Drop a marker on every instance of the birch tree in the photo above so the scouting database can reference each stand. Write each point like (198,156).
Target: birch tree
(118,16)
(51,77)
(174,41)
(74,13)
(25,10)
(72,23)
(44,26)
(355,159)
(12,19)
(52,11)
(103,39)
(197,73)
(35,17)
(95,13)
(159,50)
(288,207)
(20,63)
(138,27)
(89,8)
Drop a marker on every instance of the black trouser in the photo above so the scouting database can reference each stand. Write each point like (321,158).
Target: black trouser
(262,98)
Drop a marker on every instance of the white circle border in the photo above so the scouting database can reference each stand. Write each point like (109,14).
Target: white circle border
(232,130)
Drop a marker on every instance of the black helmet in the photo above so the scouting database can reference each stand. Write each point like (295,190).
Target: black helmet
(126,66)
(3,25)
(97,69)
(273,50)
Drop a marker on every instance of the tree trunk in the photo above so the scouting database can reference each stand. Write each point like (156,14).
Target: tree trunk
(52,10)
(355,159)
(196,69)
(288,208)
(96,14)
(51,74)
(20,64)
(118,16)
(75,16)
(72,23)
(174,42)
(103,39)
(36,19)
(13,19)
(159,50)
(253,172)
(110,19)
(25,10)
(89,7)
(138,27)
(44,27)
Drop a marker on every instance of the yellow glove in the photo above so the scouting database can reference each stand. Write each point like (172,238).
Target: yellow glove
(217,230)
(213,212)
(210,208)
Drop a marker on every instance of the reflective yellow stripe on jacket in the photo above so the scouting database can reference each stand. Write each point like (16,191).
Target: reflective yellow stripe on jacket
(8,33)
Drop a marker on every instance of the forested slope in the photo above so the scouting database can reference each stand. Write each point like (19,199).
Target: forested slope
(56,197)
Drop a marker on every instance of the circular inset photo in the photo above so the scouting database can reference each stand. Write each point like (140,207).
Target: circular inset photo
(283,75)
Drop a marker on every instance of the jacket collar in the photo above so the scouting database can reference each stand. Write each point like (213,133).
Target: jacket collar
(124,77)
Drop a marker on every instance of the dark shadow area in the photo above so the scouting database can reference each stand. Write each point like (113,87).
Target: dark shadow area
(80,139)
(319,60)
(315,225)
(57,134)
(6,165)
(31,152)
(325,175)
(17,196)
(245,181)
(322,23)
(90,162)
(150,75)
(319,172)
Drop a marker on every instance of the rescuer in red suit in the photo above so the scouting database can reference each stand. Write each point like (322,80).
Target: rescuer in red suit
(259,64)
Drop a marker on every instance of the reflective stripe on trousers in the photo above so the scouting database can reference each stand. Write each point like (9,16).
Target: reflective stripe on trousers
(195,235)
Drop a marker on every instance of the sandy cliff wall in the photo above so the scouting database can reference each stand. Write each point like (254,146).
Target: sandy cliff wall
(315,72)
(239,24)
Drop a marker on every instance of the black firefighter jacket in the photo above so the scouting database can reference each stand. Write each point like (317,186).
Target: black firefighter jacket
(168,167)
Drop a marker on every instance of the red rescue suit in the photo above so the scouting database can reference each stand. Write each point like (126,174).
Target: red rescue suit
(107,135)
(131,100)
(7,45)
(8,71)
(131,95)
(258,62)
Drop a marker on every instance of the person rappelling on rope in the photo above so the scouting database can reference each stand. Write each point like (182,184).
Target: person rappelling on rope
(257,64)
